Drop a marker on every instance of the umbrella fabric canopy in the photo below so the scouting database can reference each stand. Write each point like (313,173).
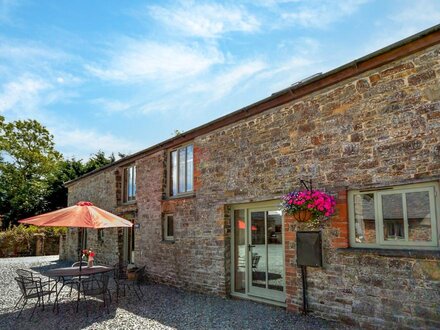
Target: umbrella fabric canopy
(83,214)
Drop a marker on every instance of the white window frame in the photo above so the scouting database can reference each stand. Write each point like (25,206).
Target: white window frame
(128,196)
(432,188)
(166,236)
(186,192)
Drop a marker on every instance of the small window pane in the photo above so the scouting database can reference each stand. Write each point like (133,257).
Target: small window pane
(189,168)
(174,173)
(365,221)
(182,167)
(392,212)
(419,216)
(170,226)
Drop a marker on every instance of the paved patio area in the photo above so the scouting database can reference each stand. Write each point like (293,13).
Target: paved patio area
(162,308)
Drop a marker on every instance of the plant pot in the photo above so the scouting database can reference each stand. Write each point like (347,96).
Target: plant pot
(302,215)
(90,263)
(131,274)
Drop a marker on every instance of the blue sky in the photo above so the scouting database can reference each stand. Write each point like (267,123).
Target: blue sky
(120,76)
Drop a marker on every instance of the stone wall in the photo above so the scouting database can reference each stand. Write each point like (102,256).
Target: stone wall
(377,129)
(100,190)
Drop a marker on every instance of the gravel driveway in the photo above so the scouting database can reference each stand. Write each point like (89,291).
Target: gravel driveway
(162,308)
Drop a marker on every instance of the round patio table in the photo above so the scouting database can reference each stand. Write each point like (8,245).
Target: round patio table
(61,273)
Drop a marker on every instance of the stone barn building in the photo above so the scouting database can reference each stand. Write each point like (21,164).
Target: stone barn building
(205,203)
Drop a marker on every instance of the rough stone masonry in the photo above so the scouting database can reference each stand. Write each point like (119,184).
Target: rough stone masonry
(377,129)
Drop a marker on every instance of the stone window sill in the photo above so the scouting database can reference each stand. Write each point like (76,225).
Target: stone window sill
(181,196)
(128,203)
(168,241)
(399,253)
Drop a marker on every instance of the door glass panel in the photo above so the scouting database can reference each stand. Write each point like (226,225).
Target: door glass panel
(258,249)
(275,263)
(240,250)
(392,212)
(365,222)
(419,216)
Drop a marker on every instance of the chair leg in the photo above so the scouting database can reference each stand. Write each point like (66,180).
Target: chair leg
(22,307)
(18,302)
(35,306)
(135,291)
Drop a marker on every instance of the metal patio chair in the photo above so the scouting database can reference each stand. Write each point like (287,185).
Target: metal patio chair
(30,276)
(97,286)
(120,276)
(32,289)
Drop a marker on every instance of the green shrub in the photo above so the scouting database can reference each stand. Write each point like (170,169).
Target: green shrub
(20,240)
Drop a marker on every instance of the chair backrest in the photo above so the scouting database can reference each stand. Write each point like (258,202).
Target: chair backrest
(120,272)
(140,274)
(76,264)
(95,285)
(27,286)
(23,273)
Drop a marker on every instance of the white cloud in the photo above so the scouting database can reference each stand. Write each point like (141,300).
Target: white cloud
(23,95)
(225,82)
(208,20)
(410,18)
(112,106)
(318,14)
(147,60)
(420,14)
(81,143)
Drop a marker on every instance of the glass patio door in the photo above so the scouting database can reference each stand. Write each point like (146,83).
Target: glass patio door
(266,257)
(258,253)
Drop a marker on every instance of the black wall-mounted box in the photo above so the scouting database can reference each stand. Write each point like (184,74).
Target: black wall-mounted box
(309,248)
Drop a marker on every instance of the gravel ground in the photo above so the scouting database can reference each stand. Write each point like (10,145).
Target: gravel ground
(162,308)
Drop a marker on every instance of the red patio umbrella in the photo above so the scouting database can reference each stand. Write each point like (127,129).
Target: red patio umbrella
(82,215)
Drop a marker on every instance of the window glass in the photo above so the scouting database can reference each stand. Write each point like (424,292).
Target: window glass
(182,170)
(419,216)
(170,226)
(134,180)
(174,173)
(404,216)
(364,217)
(240,250)
(189,168)
(392,215)
(129,189)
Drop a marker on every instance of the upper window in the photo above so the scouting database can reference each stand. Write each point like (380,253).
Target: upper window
(181,170)
(405,216)
(129,184)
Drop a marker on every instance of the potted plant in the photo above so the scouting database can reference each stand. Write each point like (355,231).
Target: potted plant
(312,206)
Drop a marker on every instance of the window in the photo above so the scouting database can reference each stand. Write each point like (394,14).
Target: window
(168,228)
(181,170)
(129,193)
(404,216)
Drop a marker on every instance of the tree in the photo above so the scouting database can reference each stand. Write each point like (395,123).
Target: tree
(70,169)
(33,173)
(28,165)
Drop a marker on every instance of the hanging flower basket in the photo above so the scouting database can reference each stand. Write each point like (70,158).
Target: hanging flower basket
(302,215)
(308,205)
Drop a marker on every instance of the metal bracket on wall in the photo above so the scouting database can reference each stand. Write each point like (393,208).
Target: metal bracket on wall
(307,184)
